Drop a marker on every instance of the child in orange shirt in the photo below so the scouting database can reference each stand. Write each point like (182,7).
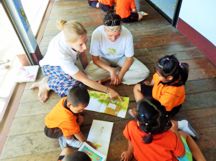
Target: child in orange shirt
(106,5)
(149,137)
(126,9)
(168,87)
(64,120)
(152,136)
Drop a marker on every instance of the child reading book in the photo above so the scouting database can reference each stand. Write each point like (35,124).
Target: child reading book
(64,120)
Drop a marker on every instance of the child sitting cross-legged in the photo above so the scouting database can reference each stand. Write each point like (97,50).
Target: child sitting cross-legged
(64,120)
(153,137)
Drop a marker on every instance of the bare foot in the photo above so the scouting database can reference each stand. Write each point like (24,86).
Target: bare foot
(43,90)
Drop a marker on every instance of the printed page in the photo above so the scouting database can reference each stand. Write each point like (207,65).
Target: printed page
(101,102)
(92,153)
(100,134)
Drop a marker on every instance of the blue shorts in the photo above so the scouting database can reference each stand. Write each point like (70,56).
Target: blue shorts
(58,80)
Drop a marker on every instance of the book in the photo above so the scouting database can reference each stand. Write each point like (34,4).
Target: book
(91,152)
(101,102)
(27,73)
(100,135)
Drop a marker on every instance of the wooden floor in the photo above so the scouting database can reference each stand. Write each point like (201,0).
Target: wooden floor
(153,38)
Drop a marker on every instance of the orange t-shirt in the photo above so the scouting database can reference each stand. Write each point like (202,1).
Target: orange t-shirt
(168,96)
(107,2)
(62,118)
(124,7)
(166,146)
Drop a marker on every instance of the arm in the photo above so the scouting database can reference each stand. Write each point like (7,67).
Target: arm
(127,155)
(96,60)
(83,59)
(114,78)
(80,76)
(79,136)
(180,151)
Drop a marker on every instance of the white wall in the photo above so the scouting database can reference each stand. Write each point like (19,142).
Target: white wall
(201,15)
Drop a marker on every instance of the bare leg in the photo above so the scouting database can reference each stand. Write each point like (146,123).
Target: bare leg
(138,96)
(43,89)
(137,92)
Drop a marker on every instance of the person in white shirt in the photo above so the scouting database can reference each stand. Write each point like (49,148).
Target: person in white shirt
(60,67)
(112,48)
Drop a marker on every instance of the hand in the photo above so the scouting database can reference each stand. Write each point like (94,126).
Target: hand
(126,156)
(114,77)
(113,94)
(80,119)
(91,144)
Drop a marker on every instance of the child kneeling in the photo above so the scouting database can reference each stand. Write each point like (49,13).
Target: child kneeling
(64,120)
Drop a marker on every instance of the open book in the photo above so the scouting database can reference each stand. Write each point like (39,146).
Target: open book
(101,102)
(91,152)
(99,135)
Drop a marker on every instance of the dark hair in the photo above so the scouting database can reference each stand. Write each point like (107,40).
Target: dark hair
(170,66)
(77,156)
(152,118)
(112,19)
(77,95)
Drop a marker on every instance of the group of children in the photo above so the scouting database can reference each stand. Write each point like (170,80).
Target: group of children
(152,134)
(128,10)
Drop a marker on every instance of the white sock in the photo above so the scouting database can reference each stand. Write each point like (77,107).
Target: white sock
(185,126)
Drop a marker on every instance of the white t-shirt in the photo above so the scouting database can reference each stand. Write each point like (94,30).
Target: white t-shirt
(61,54)
(113,51)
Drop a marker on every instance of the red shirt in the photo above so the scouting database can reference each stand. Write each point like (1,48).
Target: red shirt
(164,147)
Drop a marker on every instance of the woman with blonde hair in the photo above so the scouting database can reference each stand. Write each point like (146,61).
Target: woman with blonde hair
(60,64)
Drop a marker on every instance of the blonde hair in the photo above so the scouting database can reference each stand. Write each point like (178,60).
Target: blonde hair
(72,29)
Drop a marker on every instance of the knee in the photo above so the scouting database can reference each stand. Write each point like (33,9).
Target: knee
(136,88)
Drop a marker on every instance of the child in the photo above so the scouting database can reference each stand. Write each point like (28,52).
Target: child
(68,155)
(126,9)
(64,120)
(106,5)
(151,137)
(93,3)
(168,87)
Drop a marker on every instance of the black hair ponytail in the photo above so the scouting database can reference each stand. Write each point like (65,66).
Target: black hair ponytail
(170,66)
(152,118)
(184,70)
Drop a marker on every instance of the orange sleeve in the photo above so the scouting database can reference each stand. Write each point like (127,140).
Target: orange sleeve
(179,149)
(70,128)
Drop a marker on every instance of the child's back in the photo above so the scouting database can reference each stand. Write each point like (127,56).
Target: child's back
(163,147)
(125,7)
(149,137)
